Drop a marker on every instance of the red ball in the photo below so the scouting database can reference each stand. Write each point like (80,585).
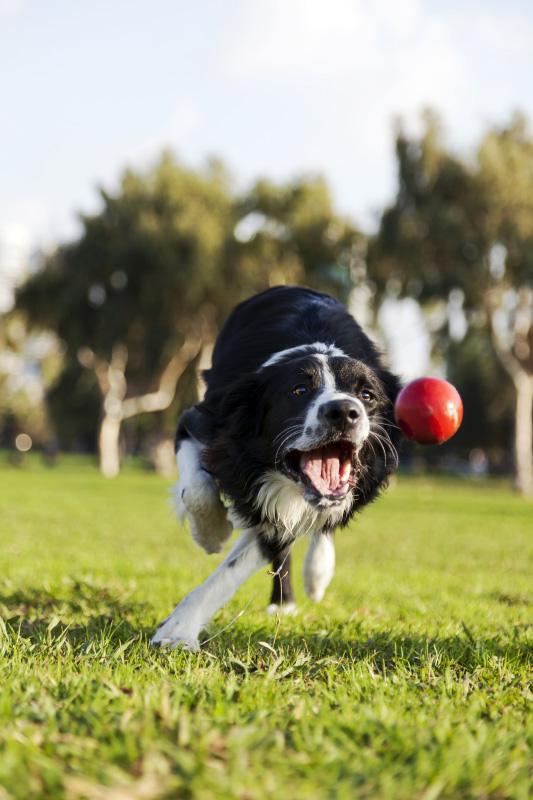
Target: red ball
(429,410)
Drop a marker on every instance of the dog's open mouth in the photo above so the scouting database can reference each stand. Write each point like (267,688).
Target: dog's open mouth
(328,469)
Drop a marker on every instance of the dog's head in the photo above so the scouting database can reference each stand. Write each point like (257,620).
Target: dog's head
(324,417)
(309,430)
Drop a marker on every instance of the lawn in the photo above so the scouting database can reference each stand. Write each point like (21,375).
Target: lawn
(413,679)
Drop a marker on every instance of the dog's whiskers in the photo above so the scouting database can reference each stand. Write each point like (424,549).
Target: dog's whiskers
(382,440)
(371,446)
(288,434)
(378,439)
(386,422)
(386,438)
(291,428)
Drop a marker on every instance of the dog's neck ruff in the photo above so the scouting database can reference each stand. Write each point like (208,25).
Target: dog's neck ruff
(303,350)
(286,513)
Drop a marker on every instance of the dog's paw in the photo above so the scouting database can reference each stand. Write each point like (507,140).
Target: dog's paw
(284,608)
(200,502)
(173,633)
(211,533)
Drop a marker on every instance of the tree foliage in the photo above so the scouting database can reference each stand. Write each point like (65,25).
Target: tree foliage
(433,239)
(505,173)
(461,229)
(142,269)
(154,274)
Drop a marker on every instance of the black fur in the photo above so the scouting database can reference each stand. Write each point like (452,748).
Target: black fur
(281,587)
(244,399)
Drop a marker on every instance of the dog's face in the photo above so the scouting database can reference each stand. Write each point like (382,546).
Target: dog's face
(323,416)
(304,441)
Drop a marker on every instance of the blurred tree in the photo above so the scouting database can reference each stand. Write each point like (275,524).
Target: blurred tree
(506,175)
(487,398)
(74,405)
(433,239)
(142,293)
(133,297)
(293,231)
(459,238)
(28,365)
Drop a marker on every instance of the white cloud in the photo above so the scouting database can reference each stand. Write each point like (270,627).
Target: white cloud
(379,60)
(504,31)
(399,19)
(10,7)
(291,38)
(295,39)
(429,72)
(27,214)
(362,65)
(276,87)
(182,123)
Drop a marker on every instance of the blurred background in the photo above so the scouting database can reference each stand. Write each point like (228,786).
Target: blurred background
(161,161)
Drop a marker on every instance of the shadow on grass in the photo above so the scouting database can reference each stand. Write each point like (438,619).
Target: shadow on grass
(386,651)
(78,611)
(466,653)
(81,613)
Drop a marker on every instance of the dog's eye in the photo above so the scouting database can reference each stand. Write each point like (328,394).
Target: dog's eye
(366,395)
(300,389)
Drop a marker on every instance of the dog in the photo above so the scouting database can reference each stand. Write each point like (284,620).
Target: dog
(295,434)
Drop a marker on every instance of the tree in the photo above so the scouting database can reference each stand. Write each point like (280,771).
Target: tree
(133,298)
(433,238)
(28,364)
(142,293)
(506,174)
(457,236)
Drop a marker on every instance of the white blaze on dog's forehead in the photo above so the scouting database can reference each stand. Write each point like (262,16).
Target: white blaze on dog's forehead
(304,349)
(329,392)
(328,378)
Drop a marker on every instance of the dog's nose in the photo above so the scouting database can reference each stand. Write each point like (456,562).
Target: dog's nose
(342,414)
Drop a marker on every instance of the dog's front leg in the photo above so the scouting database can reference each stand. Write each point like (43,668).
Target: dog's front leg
(196,609)
(319,565)
(282,596)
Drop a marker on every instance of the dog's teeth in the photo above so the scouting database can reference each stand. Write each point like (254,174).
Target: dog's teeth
(346,471)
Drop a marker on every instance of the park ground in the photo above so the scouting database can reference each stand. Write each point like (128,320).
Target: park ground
(413,679)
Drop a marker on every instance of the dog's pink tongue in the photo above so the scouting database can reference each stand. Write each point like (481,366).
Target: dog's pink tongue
(322,467)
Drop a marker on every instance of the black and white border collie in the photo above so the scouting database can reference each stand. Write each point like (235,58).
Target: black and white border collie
(294,435)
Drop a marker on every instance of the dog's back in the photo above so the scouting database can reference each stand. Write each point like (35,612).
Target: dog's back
(280,319)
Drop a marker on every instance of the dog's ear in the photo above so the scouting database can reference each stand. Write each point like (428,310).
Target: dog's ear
(391,383)
(241,407)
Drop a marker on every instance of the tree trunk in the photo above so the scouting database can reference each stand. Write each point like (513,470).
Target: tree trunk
(204,362)
(111,378)
(161,452)
(512,348)
(524,434)
(108,444)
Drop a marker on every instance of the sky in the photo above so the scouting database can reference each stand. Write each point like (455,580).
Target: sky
(276,88)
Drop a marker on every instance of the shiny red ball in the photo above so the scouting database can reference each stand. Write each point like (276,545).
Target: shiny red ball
(429,410)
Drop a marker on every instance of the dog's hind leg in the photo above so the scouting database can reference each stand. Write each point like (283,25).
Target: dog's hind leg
(282,598)
(196,493)
(196,609)
(319,565)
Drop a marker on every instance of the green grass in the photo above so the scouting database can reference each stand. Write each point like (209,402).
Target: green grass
(412,680)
